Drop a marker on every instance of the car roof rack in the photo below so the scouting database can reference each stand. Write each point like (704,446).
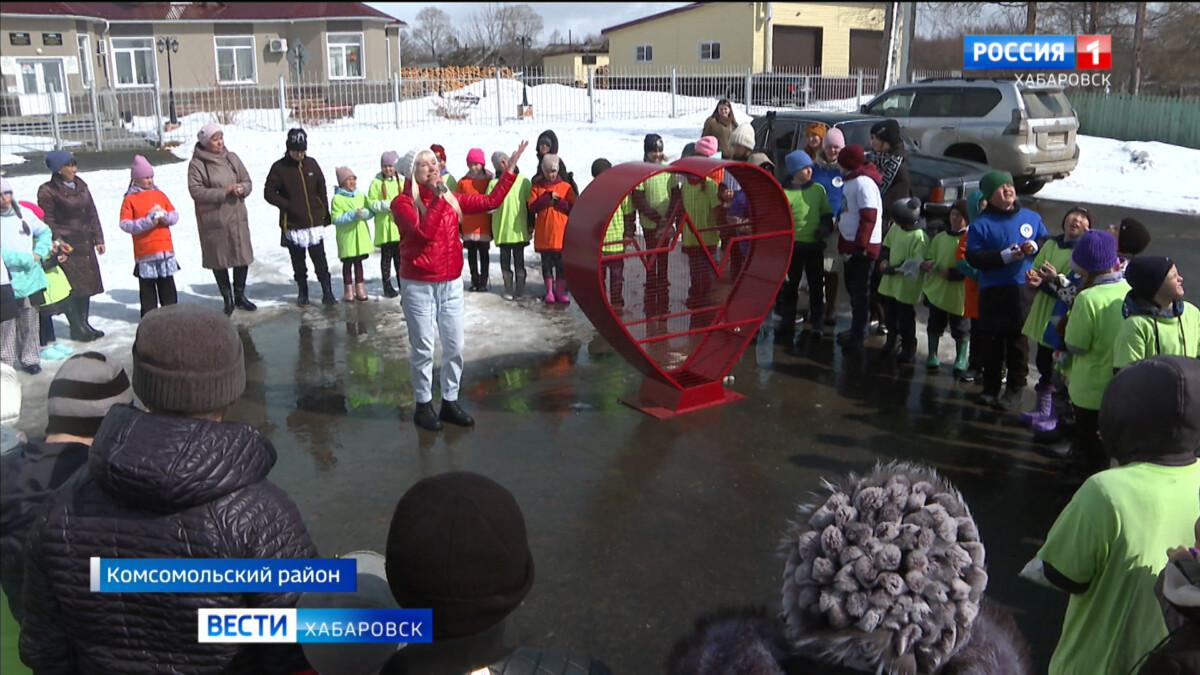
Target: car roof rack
(968,79)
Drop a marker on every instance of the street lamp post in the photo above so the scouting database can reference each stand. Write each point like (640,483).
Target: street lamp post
(525,41)
(169,45)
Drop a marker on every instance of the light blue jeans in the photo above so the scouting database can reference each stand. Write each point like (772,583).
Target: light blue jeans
(431,306)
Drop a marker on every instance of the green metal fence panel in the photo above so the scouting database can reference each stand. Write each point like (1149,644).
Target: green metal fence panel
(1168,119)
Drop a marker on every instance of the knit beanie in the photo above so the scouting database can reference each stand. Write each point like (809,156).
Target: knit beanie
(388,158)
(797,160)
(10,396)
(851,157)
(888,131)
(600,166)
(404,163)
(1096,251)
(207,132)
(707,146)
(905,212)
(652,143)
(141,168)
(187,358)
(884,572)
(549,163)
(992,180)
(457,544)
(1151,408)
(817,128)
(497,157)
(82,391)
(57,159)
(297,139)
(5,186)
(973,204)
(475,156)
(833,137)
(1132,236)
(761,160)
(1146,274)
(743,136)
(439,152)
(742,641)
(961,207)
(342,173)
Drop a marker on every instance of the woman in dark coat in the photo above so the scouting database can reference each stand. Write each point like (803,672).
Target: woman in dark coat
(71,215)
(219,184)
(296,186)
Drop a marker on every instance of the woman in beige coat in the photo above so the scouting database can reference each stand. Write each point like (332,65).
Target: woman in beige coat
(720,124)
(219,184)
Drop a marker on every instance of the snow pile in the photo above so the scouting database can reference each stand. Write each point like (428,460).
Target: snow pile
(1148,175)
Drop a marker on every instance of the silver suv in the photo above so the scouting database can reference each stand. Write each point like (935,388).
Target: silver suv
(1025,130)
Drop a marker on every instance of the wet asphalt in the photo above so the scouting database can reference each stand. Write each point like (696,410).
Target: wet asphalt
(638,525)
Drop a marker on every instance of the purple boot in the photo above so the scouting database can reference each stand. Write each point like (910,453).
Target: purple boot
(560,291)
(1043,409)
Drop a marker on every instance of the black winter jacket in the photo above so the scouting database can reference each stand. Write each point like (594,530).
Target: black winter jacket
(298,190)
(157,486)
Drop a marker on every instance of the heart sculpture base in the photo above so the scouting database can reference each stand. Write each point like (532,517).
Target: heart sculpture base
(663,401)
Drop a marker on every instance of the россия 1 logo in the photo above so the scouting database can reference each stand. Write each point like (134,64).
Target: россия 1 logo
(1037,52)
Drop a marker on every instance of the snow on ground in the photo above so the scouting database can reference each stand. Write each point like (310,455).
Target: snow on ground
(1154,176)
(8,159)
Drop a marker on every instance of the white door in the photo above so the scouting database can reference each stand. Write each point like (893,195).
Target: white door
(41,79)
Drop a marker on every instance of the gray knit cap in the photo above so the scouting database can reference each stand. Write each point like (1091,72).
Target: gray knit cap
(187,359)
(82,391)
(884,572)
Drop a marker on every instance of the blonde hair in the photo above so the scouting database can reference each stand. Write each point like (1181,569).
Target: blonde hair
(415,191)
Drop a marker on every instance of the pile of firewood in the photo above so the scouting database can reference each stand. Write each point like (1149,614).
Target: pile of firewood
(432,80)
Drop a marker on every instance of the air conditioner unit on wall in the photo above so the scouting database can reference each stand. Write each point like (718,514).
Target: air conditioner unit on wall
(278,46)
(101,46)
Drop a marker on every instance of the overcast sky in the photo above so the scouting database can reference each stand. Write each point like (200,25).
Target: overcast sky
(581,18)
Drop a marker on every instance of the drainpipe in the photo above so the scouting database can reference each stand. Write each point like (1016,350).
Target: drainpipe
(107,53)
(767,41)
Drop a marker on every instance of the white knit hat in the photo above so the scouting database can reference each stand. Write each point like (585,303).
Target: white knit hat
(405,162)
(10,396)
(743,136)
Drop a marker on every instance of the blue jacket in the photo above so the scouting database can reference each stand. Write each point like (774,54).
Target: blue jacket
(19,247)
(831,180)
(992,233)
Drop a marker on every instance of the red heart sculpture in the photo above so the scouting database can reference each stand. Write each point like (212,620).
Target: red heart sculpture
(693,286)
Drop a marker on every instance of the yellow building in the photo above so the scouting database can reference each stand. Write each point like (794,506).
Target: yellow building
(573,63)
(834,37)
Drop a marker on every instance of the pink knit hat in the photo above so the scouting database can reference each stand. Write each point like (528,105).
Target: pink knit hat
(208,131)
(475,156)
(141,168)
(833,137)
(343,172)
(706,146)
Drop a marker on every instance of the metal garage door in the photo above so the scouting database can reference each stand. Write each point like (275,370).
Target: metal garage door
(794,47)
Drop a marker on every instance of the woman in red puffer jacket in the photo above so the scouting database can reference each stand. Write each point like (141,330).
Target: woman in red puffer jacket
(431,261)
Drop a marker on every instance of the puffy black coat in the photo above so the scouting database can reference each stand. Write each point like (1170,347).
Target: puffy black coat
(298,190)
(157,486)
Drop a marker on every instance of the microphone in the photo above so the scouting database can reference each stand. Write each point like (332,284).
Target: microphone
(441,188)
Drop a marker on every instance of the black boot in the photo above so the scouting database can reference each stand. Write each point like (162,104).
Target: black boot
(226,293)
(302,296)
(389,291)
(87,310)
(519,289)
(454,414)
(239,290)
(327,298)
(425,418)
(508,285)
(74,314)
(483,282)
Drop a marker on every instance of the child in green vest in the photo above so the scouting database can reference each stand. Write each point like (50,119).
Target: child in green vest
(620,229)
(945,291)
(812,221)
(1157,318)
(350,214)
(384,188)
(903,278)
(1091,333)
(510,227)
(1054,257)
(652,201)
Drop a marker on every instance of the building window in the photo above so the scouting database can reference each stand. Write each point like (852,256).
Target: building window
(135,61)
(235,60)
(643,53)
(85,60)
(345,55)
(710,51)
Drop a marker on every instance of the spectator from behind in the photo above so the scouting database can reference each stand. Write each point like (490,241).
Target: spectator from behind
(1157,318)
(173,482)
(1107,545)
(82,391)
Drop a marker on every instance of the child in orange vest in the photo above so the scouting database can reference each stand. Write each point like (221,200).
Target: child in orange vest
(476,228)
(551,199)
(146,213)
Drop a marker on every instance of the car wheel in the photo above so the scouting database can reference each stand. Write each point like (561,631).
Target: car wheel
(1030,187)
(967,152)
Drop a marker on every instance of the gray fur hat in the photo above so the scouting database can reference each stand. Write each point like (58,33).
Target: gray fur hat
(884,572)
